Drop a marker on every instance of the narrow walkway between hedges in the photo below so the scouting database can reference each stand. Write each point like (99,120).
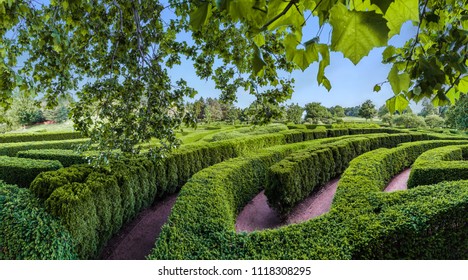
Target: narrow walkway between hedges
(399,182)
(258,215)
(136,239)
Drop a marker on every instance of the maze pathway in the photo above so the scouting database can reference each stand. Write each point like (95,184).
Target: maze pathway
(136,239)
(399,182)
(258,215)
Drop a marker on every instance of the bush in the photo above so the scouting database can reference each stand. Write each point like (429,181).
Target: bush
(409,120)
(66,157)
(27,232)
(378,225)
(437,165)
(93,206)
(11,149)
(434,121)
(21,171)
(30,137)
(298,175)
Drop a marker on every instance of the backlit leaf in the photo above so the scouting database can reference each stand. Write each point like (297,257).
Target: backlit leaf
(399,12)
(355,34)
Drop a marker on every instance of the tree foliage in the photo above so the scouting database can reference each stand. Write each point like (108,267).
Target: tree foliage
(457,115)
(123,51)
(316,112)
(294,113)
(367,110)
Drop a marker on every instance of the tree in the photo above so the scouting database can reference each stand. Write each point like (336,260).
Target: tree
(367,110)
(337,111)
(383,110)
(388,119)
(457,116)
(294,113)
(409,120)
(316,112)
(125,48)
(428,109)
(352,111)
(434,121)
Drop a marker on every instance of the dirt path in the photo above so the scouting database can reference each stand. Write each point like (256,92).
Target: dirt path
(399,182)
(257,214)
(136,239)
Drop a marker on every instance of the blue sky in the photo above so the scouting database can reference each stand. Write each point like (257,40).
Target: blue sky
(351,85)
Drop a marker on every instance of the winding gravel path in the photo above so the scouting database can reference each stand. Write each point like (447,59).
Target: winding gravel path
(399,182)
(258,215)
(136,239)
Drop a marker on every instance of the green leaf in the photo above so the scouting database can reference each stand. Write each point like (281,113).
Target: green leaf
(326,83)
(200,16)
(399,82)
(463,84)
(388,53)
(259,40)
(453,95)
(325,54)
(397,103)
(355,34)
(399,12)
(377,88)
(258,64)
(293,17)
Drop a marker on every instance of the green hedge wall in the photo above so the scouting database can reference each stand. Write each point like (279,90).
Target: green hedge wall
(31,137)
(27,231)
(21,171)
(11,149)
(66,157)
(298,175)
(92,212)
(363,222)
(437,165)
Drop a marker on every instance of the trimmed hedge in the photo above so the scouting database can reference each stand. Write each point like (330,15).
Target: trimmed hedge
(437,165)
(27,231)
(298,175)
(94,205)
(66,157)
(203,218)
(11,149)
(363,222)
(21,171)
(31,137)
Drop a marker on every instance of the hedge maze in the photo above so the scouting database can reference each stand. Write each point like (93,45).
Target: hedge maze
(69,210)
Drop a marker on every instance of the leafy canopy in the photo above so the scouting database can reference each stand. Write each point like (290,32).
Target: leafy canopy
(122,52)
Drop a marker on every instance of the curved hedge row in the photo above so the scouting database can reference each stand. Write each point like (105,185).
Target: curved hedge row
(66,157)
(298,175)
(442,164)
(363,222)
(27,231)
(11,149)
(22,171)
(47,136)
(93,205)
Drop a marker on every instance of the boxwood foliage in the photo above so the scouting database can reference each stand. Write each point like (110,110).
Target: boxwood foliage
(94,204)
(66,157)
(22,171)
(364,223)
(301,173)
(46,136)
(11,149)
(27,231)
(437,165)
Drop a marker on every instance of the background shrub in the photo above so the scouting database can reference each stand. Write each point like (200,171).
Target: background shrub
(27,231)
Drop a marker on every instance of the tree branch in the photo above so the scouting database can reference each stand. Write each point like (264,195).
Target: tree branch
(286,9)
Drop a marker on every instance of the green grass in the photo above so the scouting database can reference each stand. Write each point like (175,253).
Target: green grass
(58,127)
